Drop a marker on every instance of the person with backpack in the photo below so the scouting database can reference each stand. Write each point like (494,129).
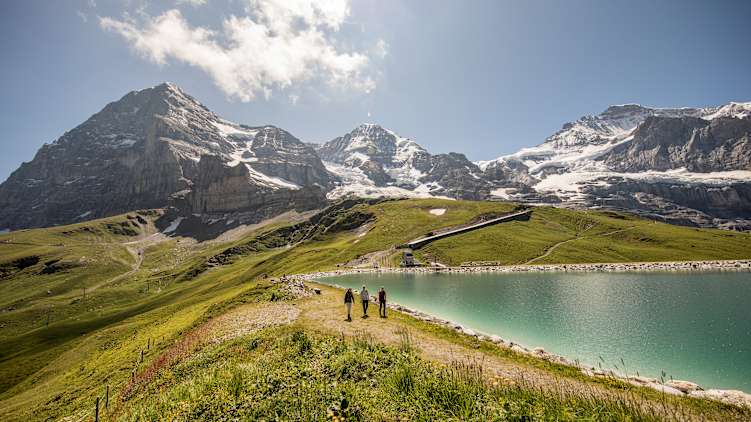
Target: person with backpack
(365,296)
(349,298)
(382,302)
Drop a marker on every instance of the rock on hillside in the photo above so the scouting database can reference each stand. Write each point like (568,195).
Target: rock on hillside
(156,147)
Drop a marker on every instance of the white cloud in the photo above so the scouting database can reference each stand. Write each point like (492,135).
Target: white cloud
(192,2)
(381,49)
(279,44)
(83,16)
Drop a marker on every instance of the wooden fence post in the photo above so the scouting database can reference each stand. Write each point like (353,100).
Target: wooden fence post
(96,411)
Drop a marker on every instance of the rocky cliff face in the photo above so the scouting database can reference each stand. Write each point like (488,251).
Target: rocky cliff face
(456,176)
(698,145)
(156,147)
(722,205)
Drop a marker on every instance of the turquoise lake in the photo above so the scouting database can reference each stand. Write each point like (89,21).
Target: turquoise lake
(693,326)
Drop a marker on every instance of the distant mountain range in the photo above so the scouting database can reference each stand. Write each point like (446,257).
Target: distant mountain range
(160,148)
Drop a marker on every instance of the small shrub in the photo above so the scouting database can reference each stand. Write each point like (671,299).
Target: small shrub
(363,340)
(402,379)
(252,344)
(405,340)
(236,384)
(301,342)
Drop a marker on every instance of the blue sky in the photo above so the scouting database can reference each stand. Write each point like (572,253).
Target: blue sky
(480,77)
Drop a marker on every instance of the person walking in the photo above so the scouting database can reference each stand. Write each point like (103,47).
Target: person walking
(382,302)
(349,298)
(365,296)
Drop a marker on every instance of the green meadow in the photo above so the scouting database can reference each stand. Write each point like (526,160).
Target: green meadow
(114,305)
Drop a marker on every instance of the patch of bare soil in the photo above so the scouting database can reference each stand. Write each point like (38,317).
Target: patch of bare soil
(247,319)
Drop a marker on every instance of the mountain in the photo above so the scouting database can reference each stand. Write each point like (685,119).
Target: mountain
(159,147)
(685,165)
(374,161)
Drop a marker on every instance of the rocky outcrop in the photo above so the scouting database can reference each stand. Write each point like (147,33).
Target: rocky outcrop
(698,145)
(220,189)
(509,173)
(456,175)
(727,206)
(279,154)
(375,172)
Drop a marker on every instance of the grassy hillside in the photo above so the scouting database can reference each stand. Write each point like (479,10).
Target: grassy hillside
(551,235)
(148,292)
(577,237)
(105,280)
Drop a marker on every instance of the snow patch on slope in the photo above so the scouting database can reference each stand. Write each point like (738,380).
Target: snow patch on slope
(173,225)
(356,183)
(228,129)
(569,185)
(270,181)
(502,193)
(547,155)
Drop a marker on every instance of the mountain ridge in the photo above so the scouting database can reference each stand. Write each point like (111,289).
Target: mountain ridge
(161,148)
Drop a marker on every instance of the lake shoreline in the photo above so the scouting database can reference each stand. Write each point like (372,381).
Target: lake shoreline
(713,265)
(675,387)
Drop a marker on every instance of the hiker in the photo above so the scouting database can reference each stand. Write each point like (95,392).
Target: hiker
(365,296)
(348,299)
(382,302)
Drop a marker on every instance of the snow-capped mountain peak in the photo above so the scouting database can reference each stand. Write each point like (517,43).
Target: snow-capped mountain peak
(159,146)
(733,109)
(374,161)
(371,155)
(578,144)
(371,142)
(613,123)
